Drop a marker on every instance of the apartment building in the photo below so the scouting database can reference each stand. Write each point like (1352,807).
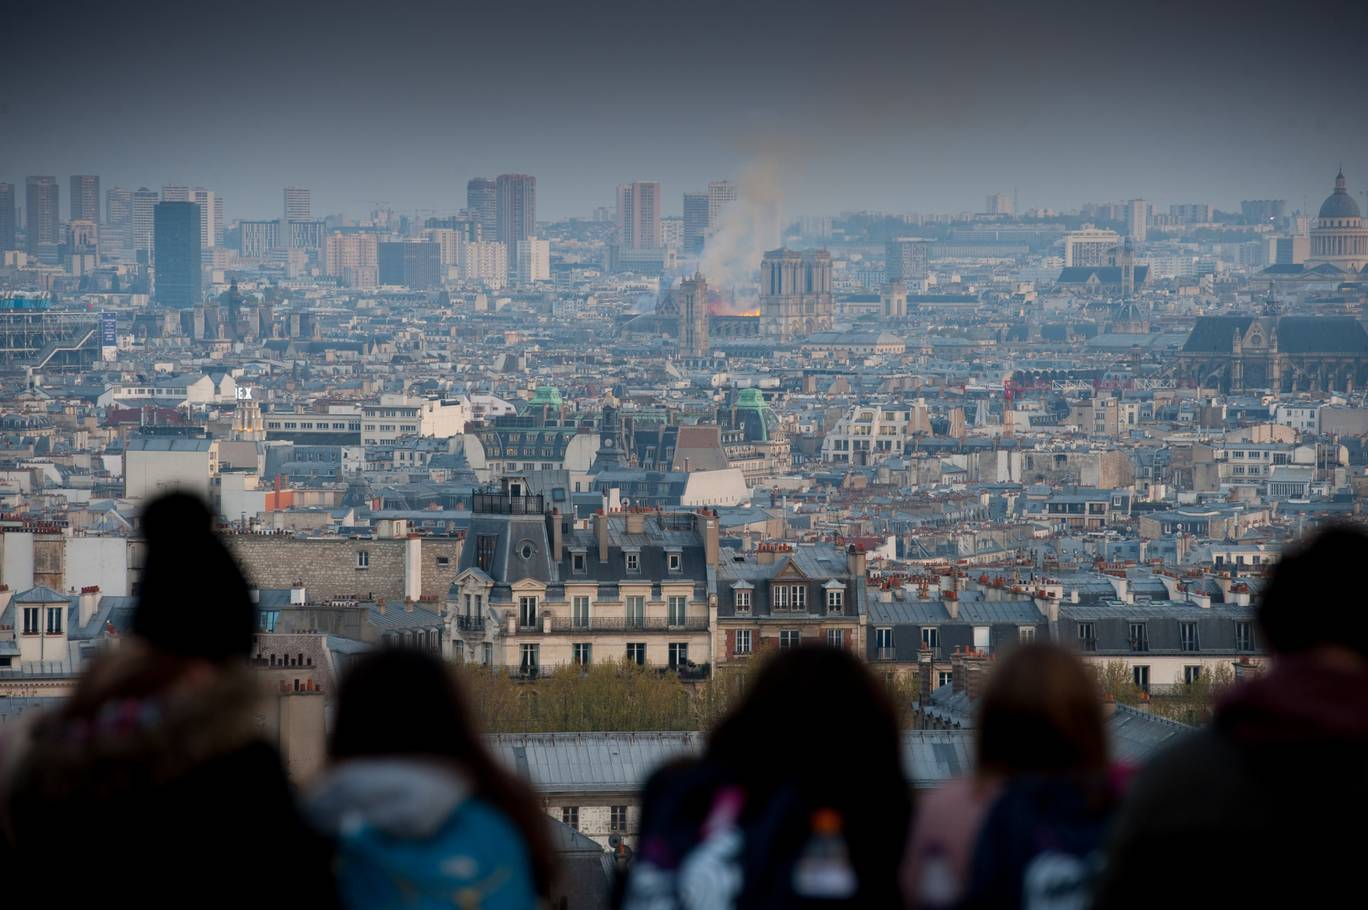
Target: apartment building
(535,593)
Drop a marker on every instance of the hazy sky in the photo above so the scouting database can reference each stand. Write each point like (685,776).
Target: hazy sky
(897,106)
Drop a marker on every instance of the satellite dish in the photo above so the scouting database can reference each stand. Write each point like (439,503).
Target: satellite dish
(614,840)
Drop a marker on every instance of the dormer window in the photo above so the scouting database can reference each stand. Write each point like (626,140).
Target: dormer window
(633,562)
(743,601)
(675,562)
(54,620)
(835,601)
(578,563)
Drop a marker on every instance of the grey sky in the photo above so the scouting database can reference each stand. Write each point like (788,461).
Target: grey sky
(896,106)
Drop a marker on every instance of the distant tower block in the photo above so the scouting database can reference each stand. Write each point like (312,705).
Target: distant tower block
(957,426)
(692,298)
(895,300)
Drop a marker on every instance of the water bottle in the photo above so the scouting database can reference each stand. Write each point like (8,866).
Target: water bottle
(824,872)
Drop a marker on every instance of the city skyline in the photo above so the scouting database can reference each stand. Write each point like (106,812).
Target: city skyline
(901,107)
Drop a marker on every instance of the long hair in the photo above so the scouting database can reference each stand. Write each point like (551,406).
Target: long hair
(1306,602)
(402,702)
(1041,714)
(817,723)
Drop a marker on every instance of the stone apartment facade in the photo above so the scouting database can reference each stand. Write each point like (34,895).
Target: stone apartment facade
(351,568)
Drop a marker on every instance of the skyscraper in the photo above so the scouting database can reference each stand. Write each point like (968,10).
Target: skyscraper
(1137,219)
(176,193)
(176,238)
(998,204)
(42,213)
(695,221)
(692,300)
(482,201)
(298,205)
(638,215)
(116,240)
(410,264)
(534,261)
(516,208)
(905,260)
(144,205)
(211,216)
(1088,247)
(720,194)
(353,258)
(6,217)
(85,198)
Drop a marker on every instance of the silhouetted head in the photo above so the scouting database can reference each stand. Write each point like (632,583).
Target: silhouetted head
(816,732)
(811,712)
(1041,714)
(400,702)
(1312,598)
(193,601)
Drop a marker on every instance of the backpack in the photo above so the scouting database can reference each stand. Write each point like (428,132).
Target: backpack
(1041,845)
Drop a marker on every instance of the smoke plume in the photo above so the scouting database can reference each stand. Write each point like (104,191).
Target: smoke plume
(746,228)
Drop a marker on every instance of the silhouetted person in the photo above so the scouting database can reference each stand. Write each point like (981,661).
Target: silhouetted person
(799,799)
(1026,830)
(421,813)
(1265,806)
(151,785)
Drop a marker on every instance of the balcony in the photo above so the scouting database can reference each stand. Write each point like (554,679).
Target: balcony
(885,653)
(606,624)
(470,623)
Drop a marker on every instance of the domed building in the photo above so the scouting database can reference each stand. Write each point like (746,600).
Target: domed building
(1339,238)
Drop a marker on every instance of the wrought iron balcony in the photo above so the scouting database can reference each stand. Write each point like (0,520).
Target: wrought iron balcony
(561,624)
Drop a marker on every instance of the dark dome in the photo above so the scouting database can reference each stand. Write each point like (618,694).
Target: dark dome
(1339,204)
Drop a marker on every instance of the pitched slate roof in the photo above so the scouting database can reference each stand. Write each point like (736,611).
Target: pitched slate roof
(1322,334)
(1215,334)
(1106,274)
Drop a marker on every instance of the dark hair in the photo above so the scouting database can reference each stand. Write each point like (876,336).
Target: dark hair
(400,701)
(193,600)
(1311,597)
(1041,714)
(816,722)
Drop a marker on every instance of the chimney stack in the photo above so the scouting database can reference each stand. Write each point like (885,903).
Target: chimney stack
(711,534)
(88,605)
(297,594)
(975,675)
(957,671)
(557,528)
(924,667)
(601,534)
(856,562)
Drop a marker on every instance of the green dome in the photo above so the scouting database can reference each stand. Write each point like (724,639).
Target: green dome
(546,395)
(754,415)
(750,398)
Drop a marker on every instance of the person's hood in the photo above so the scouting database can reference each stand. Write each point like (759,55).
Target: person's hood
(128,743)
(406,798)
(1298,701)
